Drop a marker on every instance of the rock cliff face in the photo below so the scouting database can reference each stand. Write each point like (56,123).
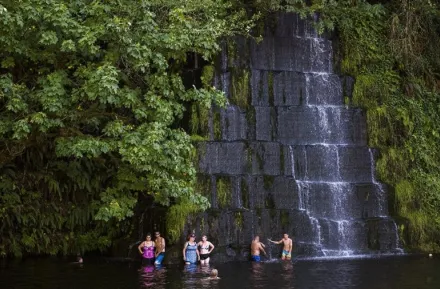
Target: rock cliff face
(286,156)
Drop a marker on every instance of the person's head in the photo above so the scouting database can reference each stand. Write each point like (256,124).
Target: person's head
(257,238)
(204,238)
(157,234)
(286,236)
(214,273)
(148,237)
(192,237)
(80,260)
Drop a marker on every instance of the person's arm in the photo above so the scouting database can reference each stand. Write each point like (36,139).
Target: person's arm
(290,246)
(262,249)
(163,244)
(262,245)
(140,247)
(184,251)
(198,255)
(212,247)
(275,242)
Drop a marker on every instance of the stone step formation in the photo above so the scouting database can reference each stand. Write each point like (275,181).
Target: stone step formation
(294,159)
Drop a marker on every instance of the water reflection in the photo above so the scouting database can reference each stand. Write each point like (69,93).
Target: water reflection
(287,273)
(258,275)
(150,276)
(195,276)
(392,273)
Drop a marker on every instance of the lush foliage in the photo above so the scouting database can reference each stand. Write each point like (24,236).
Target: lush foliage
(392,51)
(91,95)
(391,48)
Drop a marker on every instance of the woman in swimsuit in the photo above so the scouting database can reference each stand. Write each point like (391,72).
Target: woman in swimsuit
(146,248)
(205,248)
(190,252)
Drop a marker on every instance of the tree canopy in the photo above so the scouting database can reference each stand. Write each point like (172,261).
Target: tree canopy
(91,95)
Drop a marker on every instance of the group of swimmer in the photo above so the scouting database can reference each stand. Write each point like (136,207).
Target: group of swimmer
(152,251)
(193,252)
(257,246)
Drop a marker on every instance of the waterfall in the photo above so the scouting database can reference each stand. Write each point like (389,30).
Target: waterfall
(303,152)
(382,205)
(292,161)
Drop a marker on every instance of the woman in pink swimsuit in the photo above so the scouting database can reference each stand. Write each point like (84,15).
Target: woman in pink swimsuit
(146,248)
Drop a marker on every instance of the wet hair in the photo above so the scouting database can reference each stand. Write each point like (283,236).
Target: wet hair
(148,235)
(214,273)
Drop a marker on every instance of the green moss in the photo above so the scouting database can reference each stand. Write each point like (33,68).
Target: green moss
(177,217)
(240,88)
(268,182)
(203,185)
(232,52)
(194,121)
(244,193)
(217,125)
(269,201)
(249,156)
(238,217)
(207,75)
(199,120)
(224,192)
(270,87)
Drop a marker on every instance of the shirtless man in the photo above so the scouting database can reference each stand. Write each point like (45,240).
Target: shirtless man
(287,247)
(160,248)
(256,246)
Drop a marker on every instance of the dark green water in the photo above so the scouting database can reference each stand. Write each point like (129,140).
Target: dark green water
(390,273)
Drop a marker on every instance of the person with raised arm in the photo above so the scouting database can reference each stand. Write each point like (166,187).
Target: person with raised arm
(287,247)
(256,247)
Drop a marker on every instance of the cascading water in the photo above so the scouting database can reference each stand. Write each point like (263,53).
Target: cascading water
(296,158)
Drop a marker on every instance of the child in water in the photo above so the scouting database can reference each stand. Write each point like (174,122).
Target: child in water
(214,274)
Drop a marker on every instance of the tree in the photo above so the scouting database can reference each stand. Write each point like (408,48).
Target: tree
(91,97)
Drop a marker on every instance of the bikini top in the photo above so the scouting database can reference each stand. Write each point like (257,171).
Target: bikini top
(150,248)
(205,248)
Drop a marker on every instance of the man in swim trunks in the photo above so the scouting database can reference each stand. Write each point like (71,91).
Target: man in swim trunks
(160,248)
(256,246)
(287,247)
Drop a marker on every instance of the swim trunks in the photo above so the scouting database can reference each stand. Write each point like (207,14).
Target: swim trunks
(256,258)
(286,254)
(159,258)
(204,256)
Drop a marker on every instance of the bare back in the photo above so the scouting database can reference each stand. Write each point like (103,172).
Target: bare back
(255,248)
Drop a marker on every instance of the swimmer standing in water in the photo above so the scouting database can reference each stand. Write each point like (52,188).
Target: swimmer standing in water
(256,246)
(205,248)
(287,247)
